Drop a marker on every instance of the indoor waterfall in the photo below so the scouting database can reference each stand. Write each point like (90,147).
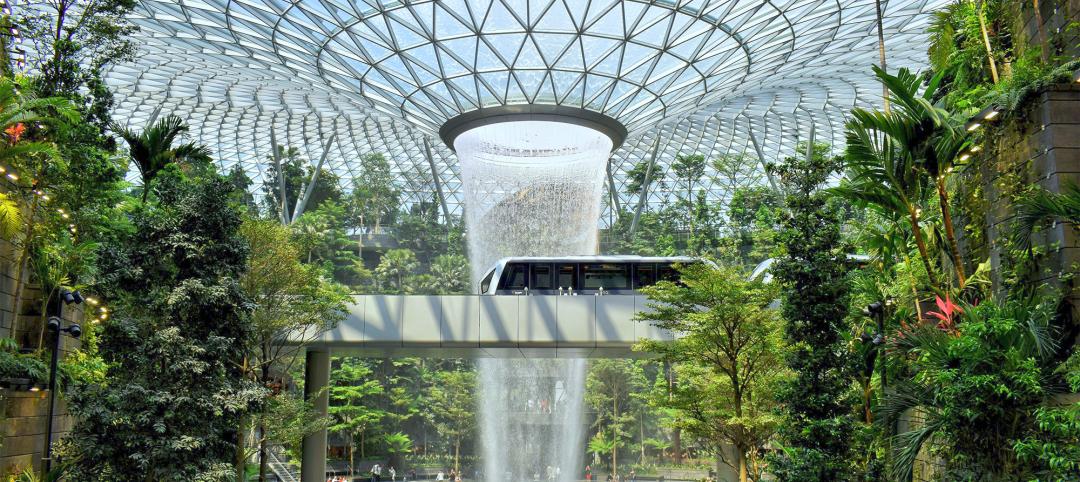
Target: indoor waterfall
(532,188)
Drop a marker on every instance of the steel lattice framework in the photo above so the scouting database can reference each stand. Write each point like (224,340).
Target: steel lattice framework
(713,77)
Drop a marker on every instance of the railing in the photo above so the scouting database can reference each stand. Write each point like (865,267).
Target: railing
(280,466)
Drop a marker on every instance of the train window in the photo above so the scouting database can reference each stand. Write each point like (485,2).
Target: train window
(644,275)
(666,273)
(541,277)
(486,282)
(567,280)
(514,279)
(607,276)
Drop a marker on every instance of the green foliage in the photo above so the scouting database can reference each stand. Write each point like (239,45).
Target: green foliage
(351,411)
(817,427)
(173,396)
(16,365)
(979,380)
(453,404)
(298,173)
(396,266)
(374,198)
(153,149)
(608,390)
(728,358)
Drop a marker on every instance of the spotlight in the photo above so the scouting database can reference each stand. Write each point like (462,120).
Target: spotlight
(75,330)
(77,296)
(67,296)
(54,323)
(875,308)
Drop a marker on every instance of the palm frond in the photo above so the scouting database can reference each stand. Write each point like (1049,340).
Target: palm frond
(1044,206)
(10,217)
(907,446)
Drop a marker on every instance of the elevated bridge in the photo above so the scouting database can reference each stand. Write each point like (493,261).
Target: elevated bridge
(470,326)
(479,326)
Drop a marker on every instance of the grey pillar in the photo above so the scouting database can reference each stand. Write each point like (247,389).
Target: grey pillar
(316,379)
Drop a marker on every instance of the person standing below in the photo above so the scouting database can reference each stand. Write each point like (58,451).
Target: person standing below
(440,476)
(412,474)
(393,474)
(632,476)
(588,473)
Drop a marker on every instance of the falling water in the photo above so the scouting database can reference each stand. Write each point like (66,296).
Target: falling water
(531,188)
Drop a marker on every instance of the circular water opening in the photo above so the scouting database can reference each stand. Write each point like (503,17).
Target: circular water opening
(526,142)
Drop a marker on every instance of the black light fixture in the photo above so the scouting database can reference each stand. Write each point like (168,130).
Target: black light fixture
(56,326)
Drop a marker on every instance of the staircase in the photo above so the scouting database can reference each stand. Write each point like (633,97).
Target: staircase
(279,465)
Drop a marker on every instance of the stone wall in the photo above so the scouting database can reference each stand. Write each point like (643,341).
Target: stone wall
(1040,148)
(1060,18)
(23,413)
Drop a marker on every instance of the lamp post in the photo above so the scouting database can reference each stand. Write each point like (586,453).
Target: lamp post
(876,310)
(55,325)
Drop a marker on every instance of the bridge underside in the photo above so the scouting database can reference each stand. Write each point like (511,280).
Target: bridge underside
(477,326)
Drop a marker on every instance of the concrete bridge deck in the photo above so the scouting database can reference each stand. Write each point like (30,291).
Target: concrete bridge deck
(478,326)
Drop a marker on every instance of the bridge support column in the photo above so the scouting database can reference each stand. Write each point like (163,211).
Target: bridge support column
(316,378)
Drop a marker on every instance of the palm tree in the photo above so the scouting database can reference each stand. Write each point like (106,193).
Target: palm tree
(892,155)
(152,149)
(937,140)
(21,150)
(882,173)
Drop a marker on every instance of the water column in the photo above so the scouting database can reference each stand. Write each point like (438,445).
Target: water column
(532,188)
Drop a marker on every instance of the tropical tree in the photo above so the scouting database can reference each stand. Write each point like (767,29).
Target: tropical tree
(395,267)
(451,274)
(153,149)
(374,197)
(688,169)
(817,428)
(173,394)
(729,358)
(351,390)
(453,400)
(291,299)
(607,389)
(882,171)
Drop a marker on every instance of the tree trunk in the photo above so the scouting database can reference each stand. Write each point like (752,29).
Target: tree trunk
(921,243)
(946,217)
(24,262)
(457,454)
(352,457)
(241,449)
(986,40)
(743,474)
(881,53)
(1043,41)
(264,462)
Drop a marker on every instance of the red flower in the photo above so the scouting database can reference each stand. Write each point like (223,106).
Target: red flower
(15,132)
(946,317)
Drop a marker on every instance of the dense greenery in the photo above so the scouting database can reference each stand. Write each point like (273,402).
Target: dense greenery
(195,277)
(174,394)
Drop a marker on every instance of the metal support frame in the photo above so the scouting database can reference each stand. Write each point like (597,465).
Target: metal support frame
(437,180)
(302,205)
(316,381)
(281,178)
(645,186)
(761,155)
(614,195)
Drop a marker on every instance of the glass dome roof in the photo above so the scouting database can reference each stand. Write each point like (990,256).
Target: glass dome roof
(712,77)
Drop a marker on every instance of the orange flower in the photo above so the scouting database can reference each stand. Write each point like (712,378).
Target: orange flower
(15,132)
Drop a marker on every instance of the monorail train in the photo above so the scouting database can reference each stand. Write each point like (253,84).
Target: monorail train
(585,275)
